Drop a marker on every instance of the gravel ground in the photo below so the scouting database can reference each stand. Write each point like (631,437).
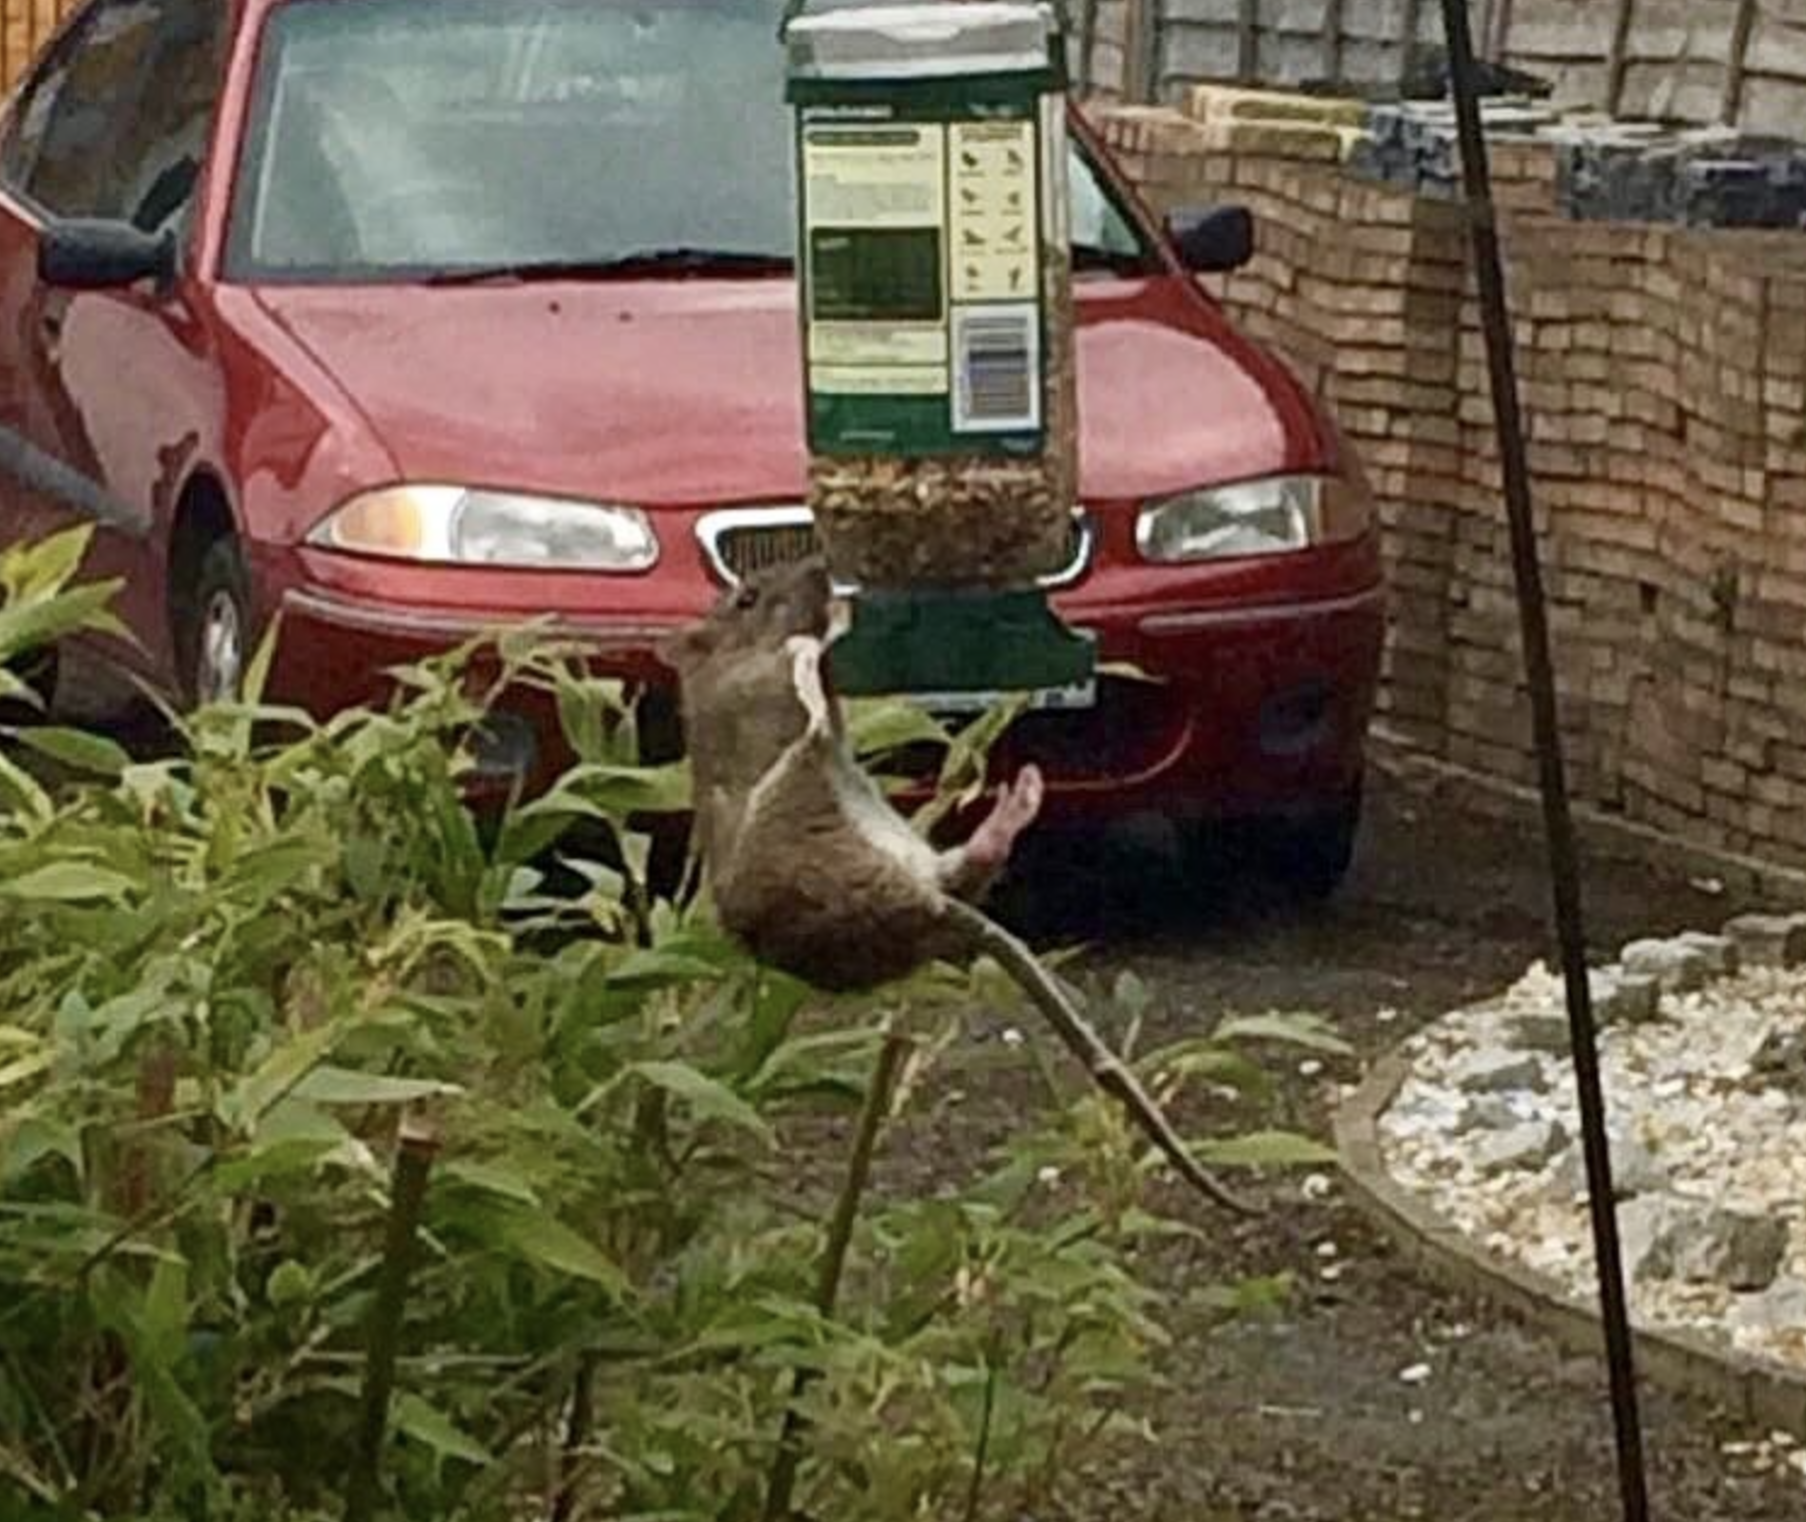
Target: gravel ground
(1305,1418)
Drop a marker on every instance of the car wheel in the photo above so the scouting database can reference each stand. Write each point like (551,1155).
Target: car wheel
(214,635)
(1311,856)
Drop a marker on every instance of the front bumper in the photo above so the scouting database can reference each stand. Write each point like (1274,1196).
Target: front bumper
(1251,708)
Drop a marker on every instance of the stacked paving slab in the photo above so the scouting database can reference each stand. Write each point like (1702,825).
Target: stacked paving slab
(1664,377)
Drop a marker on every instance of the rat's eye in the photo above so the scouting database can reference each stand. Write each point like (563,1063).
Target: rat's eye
(748,597)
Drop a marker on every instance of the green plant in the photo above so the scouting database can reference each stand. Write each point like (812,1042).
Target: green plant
(229,976)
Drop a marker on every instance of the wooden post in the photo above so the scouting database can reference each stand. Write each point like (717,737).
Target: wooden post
(1332,41)
(407,1198)
(1617,58)
(1407,38)
(1737,61)
(1086,84)
(1247,41)
(1499,37)
(1140,47)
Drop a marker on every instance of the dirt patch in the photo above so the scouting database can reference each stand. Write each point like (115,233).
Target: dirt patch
(1304,1417)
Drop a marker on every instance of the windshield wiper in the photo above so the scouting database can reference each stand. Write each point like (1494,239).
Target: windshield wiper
(645,261)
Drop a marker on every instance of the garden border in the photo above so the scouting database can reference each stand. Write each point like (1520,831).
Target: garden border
(1754,1388)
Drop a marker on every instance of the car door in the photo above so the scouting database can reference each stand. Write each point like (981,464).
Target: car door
(111,388)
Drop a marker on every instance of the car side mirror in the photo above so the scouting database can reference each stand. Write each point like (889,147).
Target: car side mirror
(1213,241)
(90,253)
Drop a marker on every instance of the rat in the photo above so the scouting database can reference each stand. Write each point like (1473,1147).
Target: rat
(811,867)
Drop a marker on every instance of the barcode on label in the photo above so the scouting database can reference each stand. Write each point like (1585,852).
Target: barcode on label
(997,363)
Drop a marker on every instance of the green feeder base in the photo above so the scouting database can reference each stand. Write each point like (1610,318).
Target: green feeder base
(954,642)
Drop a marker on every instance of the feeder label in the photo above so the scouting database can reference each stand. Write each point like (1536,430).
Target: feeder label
(922,242)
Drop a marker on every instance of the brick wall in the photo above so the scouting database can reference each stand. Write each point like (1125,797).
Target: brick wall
(1663,373)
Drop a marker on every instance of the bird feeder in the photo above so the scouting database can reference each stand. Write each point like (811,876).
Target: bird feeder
(937,326)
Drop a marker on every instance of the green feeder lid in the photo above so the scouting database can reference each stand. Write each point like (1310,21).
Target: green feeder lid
(954,641)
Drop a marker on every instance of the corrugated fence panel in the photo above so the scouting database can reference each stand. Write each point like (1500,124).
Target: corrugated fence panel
(1677,64)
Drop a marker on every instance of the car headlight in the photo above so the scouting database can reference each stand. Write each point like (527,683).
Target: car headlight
(1269,516)
(457,525)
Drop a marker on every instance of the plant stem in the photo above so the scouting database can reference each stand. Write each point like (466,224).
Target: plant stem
(834,1260)
(576,1434)
(982,1453)
(413,1161)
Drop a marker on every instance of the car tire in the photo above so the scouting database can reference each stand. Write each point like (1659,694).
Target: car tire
(1310,856)
(213,632)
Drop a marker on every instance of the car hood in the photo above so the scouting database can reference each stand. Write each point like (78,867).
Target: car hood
(689,393)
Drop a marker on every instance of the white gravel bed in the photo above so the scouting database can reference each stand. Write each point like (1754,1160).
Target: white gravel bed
(1709,1147)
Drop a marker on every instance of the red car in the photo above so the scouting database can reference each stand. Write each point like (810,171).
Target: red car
(407,317)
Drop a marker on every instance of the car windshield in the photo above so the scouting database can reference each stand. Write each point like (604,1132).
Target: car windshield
(402,139)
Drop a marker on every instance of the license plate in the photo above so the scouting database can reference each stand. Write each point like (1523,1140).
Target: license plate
(1079,695)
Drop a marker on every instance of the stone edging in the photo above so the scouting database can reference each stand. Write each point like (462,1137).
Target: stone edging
(1756,1389)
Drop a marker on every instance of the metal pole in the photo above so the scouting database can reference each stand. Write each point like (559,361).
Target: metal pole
(1564,867)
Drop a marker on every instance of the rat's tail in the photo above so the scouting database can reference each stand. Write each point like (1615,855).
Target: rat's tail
(1107,1070)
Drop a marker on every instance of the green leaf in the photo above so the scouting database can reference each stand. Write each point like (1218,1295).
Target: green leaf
(328,1085)
(426,1424)
(876,727)
(1131,994)
(1310,1031)
(67,882)
(492,1179)
(289,1284)
(163,1321)
(269,869)
(256,679)
(555,1246)
(28,1066)
(76,749)
(31,570)
(21,793)
(707,1097)
(1266,1149)
(37,1137)
(278,1074)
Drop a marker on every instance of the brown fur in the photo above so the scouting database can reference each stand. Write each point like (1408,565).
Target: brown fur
(807,862)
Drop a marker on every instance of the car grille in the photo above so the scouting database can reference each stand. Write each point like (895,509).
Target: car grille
(740,542)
